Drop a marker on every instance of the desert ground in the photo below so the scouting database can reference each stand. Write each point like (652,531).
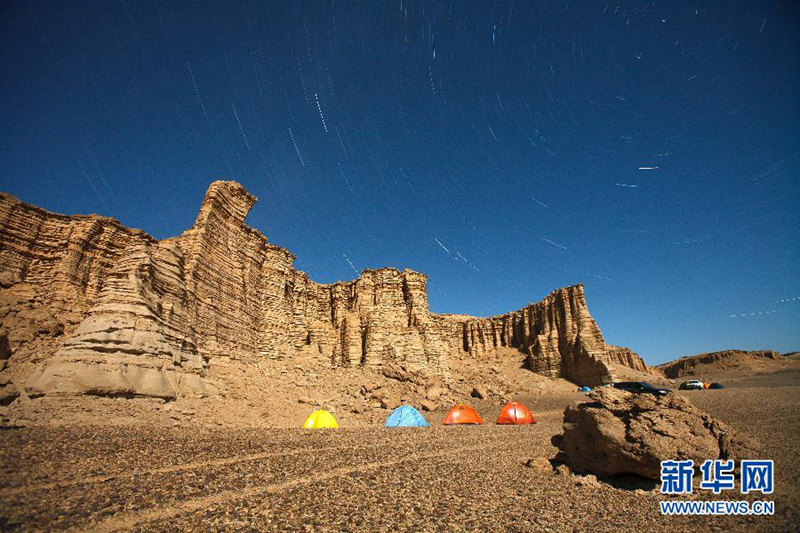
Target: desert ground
(145,478)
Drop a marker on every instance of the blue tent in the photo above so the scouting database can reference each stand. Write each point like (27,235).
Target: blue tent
(585,389)
(406,416)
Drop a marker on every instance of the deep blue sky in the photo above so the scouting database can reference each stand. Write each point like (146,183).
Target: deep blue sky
(495,146)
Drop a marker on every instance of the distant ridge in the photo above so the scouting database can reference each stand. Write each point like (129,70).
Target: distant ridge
(697,363)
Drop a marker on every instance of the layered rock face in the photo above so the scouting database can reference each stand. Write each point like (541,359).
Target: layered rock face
(103,309)
(691,364)
(559,336)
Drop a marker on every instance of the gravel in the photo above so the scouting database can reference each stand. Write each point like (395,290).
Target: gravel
(364,479)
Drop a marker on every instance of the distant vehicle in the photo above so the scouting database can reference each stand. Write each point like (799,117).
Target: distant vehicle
(692,384)
(640,387)
(716,386)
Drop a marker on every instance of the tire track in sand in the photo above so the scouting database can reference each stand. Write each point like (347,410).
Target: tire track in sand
(104,478)
(126,521)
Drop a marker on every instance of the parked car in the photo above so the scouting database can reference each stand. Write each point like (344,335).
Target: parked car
(692,384)
(640,387)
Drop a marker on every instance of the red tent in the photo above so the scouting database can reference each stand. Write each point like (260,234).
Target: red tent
(462,414)
(515,413)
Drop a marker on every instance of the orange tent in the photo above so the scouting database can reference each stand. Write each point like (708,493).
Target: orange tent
(462,414)
(515,413)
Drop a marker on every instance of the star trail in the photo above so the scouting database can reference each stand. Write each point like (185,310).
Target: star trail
(648,150)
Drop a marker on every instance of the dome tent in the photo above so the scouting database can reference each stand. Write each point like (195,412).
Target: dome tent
(406,416)
(462,414)
(585,389)
(320,419)
(515,413)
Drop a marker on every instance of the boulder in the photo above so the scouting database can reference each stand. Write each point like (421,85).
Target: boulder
(401,373)
(390,403)
(8,392)
(21,334)
(434,393)
(433,381)
(623,433)
(366,388)
(540,463)
(7,279)
(428,405)
(378,394)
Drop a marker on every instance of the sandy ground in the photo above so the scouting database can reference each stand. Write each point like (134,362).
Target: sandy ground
(367,479)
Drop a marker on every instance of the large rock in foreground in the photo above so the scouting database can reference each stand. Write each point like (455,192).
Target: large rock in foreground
(624,433)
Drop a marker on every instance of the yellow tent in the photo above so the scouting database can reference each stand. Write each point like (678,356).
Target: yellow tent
(320,419)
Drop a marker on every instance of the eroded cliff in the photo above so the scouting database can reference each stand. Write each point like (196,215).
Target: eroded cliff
(558,335)
(89,306)
(704,361)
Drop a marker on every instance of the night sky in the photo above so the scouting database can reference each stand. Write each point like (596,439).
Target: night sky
(650,151)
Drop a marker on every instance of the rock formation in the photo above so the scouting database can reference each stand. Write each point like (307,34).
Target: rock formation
(90,306)
(559,336)
(691,364)
(623,433)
